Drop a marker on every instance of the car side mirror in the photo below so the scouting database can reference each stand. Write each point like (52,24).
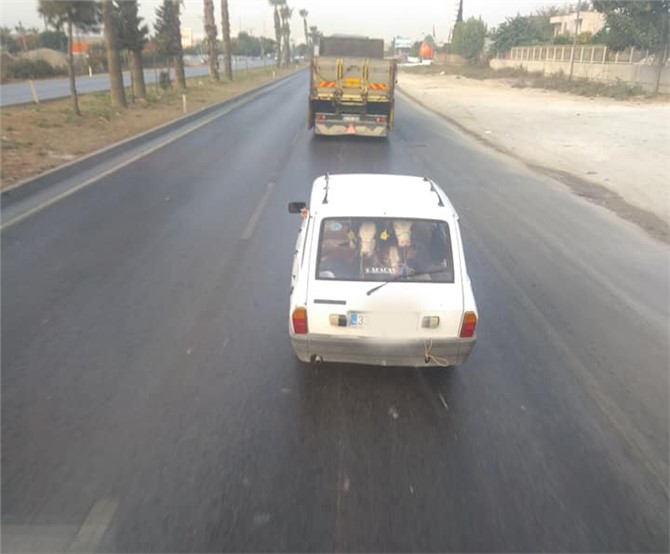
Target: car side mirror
(296,207)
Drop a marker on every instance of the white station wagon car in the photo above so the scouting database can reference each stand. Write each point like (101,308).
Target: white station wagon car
(379,275)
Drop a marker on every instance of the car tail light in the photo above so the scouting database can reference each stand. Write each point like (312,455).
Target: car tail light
(299,319)
(469,324)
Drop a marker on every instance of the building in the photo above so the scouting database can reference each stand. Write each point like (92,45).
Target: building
(186,37)
(588,22)
(401,48)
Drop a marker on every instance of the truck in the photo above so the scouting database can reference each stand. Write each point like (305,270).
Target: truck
(352,87)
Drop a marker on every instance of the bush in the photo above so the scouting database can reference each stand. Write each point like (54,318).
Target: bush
(32,69)
(164,80)
(469,38)
(584,38)
(562,39)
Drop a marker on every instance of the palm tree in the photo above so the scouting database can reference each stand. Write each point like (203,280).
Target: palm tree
(286,14)
(117,90)
(278,26)
(180,72)
(84,15)
(314,35)
(227,46)
(304,13)
(210,32)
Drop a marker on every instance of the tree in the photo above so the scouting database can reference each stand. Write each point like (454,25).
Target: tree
(81,14)
(117,90)
(56,40)
(168,37)
(314,35)
(276,4)
(227,47)
(304,13)
(468,38)
(268,46)
(246,45)
(7,41)
(133,38)
(210,33)
(521,31)
(459,15)
(286,14)
(21,30)
(638,24)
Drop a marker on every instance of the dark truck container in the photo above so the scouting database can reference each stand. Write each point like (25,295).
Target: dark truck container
(352,87)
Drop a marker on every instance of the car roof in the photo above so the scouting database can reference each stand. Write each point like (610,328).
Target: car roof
(372,194)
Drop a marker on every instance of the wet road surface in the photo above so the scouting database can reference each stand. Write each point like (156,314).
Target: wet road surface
(151,400)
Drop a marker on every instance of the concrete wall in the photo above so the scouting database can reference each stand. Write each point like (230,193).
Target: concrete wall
(640,74)
(440,58)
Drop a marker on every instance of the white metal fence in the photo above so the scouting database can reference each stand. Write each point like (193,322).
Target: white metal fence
(591,53)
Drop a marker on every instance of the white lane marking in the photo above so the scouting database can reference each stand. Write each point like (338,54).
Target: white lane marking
(444,402)
(116,168)
(256,215)
(225,342)
(94,527)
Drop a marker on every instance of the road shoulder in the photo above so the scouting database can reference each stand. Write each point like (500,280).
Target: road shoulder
(613,153)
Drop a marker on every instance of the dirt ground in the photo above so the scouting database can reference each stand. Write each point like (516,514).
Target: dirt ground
(36,138)
(615,151)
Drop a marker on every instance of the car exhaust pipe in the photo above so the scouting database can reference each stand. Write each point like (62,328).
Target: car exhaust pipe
(316,359)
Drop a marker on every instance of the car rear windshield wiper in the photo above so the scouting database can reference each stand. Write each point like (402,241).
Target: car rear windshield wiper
(403,276)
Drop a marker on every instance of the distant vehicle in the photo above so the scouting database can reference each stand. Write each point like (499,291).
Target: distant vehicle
(379,275)
(352,87)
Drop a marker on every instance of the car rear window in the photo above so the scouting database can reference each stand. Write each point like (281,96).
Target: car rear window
(379,249)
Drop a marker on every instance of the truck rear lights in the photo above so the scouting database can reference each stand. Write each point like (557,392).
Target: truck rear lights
(299,320)
(381,120)
(321,116)
(469,324)
(430,322)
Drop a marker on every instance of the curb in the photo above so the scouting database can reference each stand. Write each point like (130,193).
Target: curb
(31,185)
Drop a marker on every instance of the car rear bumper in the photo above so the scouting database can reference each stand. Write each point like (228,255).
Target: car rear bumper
(359,350)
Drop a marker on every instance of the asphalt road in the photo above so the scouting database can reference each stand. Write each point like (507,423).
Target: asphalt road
(151,400)
(49,89)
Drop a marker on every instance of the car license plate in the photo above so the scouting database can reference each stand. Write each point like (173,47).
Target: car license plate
(359,319)
(350,118)
(405,322)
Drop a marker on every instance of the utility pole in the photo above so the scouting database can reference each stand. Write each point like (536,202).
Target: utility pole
(574,41)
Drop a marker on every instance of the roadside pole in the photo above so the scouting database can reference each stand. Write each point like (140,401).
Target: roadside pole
(36,98)
(574,41)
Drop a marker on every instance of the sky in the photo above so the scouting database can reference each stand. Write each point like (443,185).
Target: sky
(375,18)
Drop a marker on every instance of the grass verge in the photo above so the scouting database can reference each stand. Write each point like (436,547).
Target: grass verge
(36,138)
